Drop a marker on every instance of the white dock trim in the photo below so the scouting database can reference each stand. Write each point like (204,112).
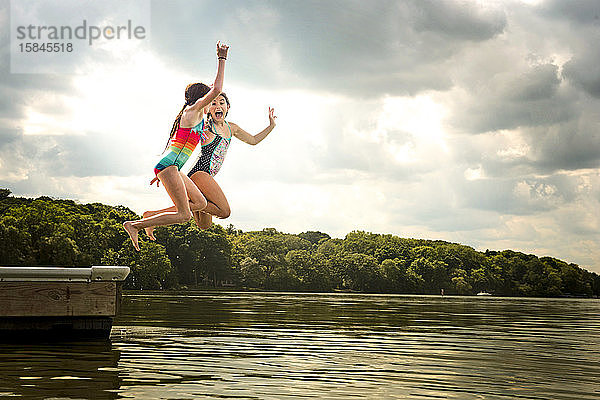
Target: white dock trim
(63,274)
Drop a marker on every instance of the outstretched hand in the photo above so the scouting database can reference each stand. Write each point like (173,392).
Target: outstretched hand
(222,50)
(272,116)
(155,179)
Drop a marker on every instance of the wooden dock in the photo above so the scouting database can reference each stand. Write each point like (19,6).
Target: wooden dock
(55,303)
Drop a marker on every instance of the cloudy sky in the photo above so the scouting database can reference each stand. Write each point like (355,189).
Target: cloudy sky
(475,122)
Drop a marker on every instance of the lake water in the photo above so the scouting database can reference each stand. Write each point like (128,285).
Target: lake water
(197,345)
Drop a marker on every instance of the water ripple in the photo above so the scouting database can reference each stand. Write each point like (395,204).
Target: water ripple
(323,346)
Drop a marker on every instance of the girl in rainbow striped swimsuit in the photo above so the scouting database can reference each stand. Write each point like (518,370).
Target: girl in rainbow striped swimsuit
(183,140)
(215,139)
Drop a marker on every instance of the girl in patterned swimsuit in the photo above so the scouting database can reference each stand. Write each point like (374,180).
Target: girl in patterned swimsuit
(215,141)
(183,139)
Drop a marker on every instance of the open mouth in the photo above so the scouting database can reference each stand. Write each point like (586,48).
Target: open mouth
(218,114)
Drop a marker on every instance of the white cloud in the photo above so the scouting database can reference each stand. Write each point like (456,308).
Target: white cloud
(472,174)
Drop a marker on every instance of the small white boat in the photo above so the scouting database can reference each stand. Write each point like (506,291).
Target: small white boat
(483,294)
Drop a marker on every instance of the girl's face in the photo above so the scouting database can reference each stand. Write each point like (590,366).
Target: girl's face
(218,109)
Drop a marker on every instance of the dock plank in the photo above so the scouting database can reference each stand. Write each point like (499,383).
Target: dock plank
(45,299)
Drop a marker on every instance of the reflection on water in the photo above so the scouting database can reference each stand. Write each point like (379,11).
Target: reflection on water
(282,346)
(80,370)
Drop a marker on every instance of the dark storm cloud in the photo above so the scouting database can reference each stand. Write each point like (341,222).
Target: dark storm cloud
(516,99)
(583,17)
(541,82)
(44,156)
(585,12)
(546,149)
(85,155)
(378,47)
(583,70)
(553,107)
(569,146)
(465,21)
(515,196)
(525,182)
(9,135)
(20,90)
(353,47)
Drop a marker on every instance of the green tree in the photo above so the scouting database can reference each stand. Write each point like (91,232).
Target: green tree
(414,281)
(214,254)
(572,279)
(58,249)
(253,276)
(362,272)
(63,232)
(4,193)
(268,248)
(487,278)
(394,274)
(390,247)
(15,243)
(150,268)
(284,279)
(314,237)
(311,271)
(360,242)
(460,282)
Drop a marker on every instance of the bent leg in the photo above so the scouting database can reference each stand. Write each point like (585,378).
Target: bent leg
(217,202)
(204,190)
(173,183)
(196,199)
(150,229)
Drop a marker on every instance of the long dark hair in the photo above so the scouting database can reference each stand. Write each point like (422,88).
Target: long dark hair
(193,92)
(209,120)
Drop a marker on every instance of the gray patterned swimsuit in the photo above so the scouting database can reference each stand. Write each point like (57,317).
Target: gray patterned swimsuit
(213,152)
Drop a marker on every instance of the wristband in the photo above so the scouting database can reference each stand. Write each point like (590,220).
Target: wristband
(222,58)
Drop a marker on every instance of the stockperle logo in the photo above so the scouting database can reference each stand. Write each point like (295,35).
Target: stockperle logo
(49,36)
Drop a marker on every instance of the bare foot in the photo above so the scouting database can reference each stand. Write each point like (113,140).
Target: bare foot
(133,233)
(149,230)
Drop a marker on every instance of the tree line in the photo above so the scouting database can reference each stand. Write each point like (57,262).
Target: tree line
(47,231)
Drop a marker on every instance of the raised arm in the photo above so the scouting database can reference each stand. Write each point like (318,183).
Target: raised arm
(218,85)
(254,139)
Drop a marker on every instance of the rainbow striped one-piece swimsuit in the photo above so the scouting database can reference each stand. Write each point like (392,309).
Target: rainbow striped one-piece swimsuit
(180,149)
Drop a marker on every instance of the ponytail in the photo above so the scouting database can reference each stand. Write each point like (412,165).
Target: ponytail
(175,125)
(193,92)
